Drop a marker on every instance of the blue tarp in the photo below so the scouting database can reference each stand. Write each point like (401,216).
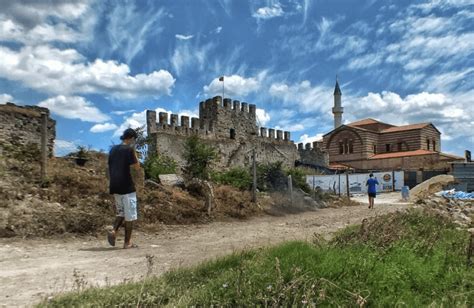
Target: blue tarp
(452,194)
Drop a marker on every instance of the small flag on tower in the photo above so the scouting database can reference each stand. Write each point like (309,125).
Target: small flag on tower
(221,78)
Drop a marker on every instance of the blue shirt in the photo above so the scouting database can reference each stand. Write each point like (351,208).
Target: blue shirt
(372,183)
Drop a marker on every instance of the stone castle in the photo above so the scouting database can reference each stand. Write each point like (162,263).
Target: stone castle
(231,128)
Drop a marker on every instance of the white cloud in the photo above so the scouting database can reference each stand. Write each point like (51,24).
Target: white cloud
(303,96)
(234,85)
(34,22)
(268,12)
(63,147)
(105,127)
(10,31)
(422,42)
(129,29)
(31,13)
(184,37)
(449,80)
(262,117)
(218,30)
(4,97)
(291,127)
(122,112)
(305,138)
(365,61)
(190,54)
(74,107)
(67,72)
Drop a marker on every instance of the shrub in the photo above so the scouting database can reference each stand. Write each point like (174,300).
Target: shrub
(155,165)
(271,176)
(198,158)
(298,178)
(82,152)
(237,177)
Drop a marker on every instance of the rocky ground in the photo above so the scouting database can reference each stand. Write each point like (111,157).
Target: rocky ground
(37,268)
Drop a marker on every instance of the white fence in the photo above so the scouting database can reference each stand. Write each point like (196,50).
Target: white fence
(357,182)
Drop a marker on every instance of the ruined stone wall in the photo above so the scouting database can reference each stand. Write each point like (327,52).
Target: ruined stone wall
(313,154)
(21,125)
(230,152)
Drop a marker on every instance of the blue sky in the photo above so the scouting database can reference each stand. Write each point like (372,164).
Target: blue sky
(98,65)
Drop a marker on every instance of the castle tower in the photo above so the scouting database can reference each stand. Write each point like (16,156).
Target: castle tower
(337,110)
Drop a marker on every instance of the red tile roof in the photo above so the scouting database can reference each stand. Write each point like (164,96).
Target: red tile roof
(405,127)
(402,154)
(364,122)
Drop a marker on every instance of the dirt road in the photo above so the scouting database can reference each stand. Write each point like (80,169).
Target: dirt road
(34,269)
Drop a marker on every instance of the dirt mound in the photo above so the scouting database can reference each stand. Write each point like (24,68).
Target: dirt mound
(75,199)
(431,186)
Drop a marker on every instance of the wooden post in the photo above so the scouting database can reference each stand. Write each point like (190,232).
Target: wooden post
(44,143)
(339,185)
(347,185)
(254,177)
(290,189)
(393,180)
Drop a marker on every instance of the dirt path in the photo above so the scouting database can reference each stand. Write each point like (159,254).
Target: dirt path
(34,269)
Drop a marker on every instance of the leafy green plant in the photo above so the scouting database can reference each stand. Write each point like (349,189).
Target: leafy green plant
(82,152)
(198,158)
(298,178)
(271,176)
(237,177)
(157,164)
(141,143)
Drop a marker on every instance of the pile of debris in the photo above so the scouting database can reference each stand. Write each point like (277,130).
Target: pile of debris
(433,194)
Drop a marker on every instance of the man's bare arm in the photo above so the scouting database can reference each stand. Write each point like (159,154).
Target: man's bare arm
(137,172)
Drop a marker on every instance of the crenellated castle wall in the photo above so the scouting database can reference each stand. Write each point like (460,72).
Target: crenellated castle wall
(230,127)
(313,154)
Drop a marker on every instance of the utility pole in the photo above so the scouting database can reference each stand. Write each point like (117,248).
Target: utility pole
(254,177)
(44,141)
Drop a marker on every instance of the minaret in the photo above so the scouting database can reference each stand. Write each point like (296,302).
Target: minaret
(337,110)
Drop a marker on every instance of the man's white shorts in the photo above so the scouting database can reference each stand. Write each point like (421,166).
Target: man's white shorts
(126,206)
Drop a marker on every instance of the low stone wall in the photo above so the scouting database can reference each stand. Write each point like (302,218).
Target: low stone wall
(21,125)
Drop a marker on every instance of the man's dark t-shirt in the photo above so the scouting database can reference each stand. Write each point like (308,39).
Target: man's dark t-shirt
(120,158)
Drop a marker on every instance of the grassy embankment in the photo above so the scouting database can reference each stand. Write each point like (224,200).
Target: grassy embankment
(409,259)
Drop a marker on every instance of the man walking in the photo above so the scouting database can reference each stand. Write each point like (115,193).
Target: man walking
(372,189)
(121,158)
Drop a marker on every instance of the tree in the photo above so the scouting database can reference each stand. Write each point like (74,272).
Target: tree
(198,158)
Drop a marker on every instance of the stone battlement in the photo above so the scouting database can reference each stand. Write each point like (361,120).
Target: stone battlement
(227,120)
(231,128)
(215,103)
(309,146)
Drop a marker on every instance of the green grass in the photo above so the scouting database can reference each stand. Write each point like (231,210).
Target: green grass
(404,259)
